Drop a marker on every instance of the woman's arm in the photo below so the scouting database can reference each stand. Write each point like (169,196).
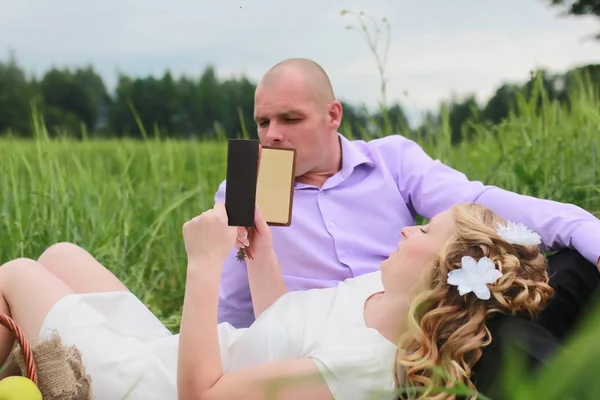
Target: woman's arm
(200,370)
(264,274)
(199,364)
(265,280)
(278,380)
(208,240)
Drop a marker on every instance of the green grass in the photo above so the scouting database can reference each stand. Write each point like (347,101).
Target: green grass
(125,201)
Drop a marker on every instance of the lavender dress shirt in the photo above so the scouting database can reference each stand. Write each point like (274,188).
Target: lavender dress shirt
(351,224)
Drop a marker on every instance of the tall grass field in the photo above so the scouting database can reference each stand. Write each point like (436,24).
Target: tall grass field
(125,202)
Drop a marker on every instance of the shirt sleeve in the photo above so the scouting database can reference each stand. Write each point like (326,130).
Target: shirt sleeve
(235,301)
(429,187)
(355,373)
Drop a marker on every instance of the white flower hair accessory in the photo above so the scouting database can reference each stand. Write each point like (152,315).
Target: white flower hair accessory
(474,276)
(518,233)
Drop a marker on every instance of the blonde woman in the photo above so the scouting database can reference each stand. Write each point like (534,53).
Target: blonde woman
(370,337)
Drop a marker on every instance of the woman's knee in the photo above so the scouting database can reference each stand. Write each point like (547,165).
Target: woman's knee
(58,252)
(19,269)
(30,291)
(18,263)
(79,269)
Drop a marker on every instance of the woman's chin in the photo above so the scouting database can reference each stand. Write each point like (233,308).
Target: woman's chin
(384,265)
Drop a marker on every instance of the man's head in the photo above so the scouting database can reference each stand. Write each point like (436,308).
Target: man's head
(294,106)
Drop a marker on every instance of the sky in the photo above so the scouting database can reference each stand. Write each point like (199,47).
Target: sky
(438,48)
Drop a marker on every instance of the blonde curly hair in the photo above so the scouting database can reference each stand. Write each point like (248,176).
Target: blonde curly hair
(447,331)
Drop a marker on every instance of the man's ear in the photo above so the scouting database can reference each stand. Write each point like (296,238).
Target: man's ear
(335,114)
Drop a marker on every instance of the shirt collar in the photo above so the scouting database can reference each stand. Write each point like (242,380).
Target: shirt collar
(353,156)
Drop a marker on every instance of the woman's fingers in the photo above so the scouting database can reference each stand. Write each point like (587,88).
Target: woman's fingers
(241,244)
(242,236)
(259,220)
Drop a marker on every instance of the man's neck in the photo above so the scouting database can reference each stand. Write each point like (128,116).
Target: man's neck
(331,165)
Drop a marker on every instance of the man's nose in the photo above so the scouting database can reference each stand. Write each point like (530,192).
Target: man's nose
(273,135)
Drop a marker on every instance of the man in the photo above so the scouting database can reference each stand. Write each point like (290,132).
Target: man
(352,198)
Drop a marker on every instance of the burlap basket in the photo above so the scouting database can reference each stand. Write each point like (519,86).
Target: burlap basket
(56,369)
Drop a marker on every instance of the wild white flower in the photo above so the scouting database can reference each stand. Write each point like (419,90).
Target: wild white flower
(518,233)
(474,276)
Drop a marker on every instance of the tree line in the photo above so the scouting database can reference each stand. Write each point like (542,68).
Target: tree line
(578,8)
(76,102)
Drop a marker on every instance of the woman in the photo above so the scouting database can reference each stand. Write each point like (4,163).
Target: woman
(366,338)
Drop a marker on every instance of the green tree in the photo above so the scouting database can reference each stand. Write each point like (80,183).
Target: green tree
(354,120)
(211,101)
(93,85)
(579,8)
(238,103)
(460,112)
(589,73)
(121,119)
(499,105)
(16,95)
(67,103)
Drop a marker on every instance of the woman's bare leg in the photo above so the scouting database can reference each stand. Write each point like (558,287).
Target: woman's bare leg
(79,269)
(27,293)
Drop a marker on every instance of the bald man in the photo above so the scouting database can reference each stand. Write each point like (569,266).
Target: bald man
(295,107)
(352,198)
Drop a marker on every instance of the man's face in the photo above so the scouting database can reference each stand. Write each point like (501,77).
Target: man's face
(287,114)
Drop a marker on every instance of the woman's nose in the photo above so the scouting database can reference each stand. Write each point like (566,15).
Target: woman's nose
(405,232)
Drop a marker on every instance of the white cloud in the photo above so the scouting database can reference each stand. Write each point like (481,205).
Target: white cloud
(437,47)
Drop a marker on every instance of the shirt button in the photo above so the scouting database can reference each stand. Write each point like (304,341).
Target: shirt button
(321,193)
(331,223)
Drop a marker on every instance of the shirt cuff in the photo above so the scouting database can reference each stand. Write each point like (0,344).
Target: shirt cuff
(586,240)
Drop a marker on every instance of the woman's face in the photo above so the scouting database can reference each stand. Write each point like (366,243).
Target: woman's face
(417,249)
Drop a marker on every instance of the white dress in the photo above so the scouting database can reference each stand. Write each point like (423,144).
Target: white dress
(129,353)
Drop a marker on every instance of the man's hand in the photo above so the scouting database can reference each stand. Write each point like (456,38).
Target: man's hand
(209,235)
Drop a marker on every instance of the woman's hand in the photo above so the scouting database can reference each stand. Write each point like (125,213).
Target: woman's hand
(209,235)
(257,241)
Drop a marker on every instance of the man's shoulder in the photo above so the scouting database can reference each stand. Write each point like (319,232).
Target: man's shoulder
(387,147)
(395,140)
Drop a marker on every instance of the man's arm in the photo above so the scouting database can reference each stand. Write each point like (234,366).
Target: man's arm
(430,187)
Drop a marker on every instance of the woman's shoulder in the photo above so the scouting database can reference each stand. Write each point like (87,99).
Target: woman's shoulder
(369,282)
(358,285)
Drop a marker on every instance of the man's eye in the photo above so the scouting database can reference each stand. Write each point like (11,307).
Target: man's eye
(423,230)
